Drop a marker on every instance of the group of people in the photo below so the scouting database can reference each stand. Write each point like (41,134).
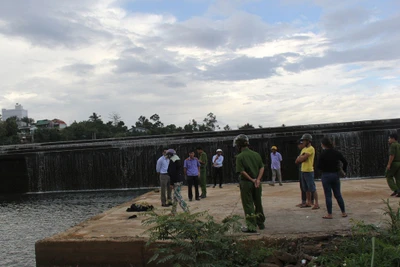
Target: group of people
(169,169)
(250,167)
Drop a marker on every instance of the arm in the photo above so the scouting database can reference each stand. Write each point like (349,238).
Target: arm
(185,168)
(391,158)
(344,161)
(302,158)
(158,166)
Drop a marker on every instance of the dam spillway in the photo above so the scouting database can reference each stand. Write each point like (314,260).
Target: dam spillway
(130,162)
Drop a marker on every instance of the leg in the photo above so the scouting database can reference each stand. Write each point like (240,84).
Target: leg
(306,188)
(174,201)
(163,185)
(179,198)
(169,191)
(259,211)
(303,192)
(190,180)
(196,187)
(220,176)
(279,174)
(203,182)
(246,188)
(327,185)
(273,176)
(396,173)
(338,194)
(215,173)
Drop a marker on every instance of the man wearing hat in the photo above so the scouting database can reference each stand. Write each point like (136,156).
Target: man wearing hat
(276,159)
(306,159)
(217,161)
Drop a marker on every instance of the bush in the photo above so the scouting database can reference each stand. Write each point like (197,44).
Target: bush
(195,239)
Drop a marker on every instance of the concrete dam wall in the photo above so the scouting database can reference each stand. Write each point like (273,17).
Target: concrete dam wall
(130,162)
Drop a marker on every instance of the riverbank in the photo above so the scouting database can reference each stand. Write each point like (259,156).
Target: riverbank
(114,240)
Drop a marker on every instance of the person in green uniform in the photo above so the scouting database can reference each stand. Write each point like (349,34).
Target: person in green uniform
(393,166)
(251,169)
(203,171)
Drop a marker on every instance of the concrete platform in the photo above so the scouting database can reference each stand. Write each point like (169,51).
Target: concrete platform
(111,239)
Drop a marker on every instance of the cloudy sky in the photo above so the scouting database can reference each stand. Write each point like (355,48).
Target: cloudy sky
(264,62)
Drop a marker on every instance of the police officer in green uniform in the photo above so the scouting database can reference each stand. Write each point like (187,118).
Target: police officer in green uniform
(203,171)
(393,166)
(251,168)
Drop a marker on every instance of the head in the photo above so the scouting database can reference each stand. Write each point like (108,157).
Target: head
(191,154)
(199,150)
(326,143)
(393,137)
(274,149)
(300,144)
(307,139)
(219,151)
(170,152)
(241,141)
(164,152)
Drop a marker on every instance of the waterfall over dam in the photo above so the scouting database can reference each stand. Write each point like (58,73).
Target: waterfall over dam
(130,162)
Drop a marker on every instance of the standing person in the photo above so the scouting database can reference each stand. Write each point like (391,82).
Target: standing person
(217,161)
(203,171)
(251,168)
(276,159)
(393,166)
(306,159)
(192,172)
(162,171)
(328,163)
(303,202)
(174,171)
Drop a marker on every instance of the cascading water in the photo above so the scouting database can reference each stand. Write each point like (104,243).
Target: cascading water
(130,163)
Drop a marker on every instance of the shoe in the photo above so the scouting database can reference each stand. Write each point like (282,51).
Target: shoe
(244,229)
(190,199)
(220,186)
(198,199)
(393,194)
(261,226)
(272,184)
(164,205)
(203,196)
(398,195)
(280,184)
(214,186)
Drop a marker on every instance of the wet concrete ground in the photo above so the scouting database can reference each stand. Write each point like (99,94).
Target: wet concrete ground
(363,199)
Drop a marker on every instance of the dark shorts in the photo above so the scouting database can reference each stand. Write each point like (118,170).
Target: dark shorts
(307,179)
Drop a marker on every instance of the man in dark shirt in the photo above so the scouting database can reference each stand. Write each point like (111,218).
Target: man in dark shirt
(393,166)
(328,163)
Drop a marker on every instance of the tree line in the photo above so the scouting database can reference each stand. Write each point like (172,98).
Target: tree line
(95,128)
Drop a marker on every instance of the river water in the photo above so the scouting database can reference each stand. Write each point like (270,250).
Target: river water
(27,218)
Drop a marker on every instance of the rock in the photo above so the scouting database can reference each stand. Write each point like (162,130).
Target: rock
(285,257)
(268,265)
(312,249)
(274,260)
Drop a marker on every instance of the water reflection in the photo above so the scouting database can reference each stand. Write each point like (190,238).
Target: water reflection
(28,218)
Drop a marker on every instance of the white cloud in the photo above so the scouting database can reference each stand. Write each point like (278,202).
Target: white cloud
(68,59)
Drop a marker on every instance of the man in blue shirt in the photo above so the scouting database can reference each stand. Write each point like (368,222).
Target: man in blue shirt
(162,171)
(217,161)
(276,159)
(192,173)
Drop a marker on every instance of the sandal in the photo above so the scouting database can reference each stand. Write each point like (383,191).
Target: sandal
(344,215)
(327,217)
(315,208)
(305,206)
(299,205)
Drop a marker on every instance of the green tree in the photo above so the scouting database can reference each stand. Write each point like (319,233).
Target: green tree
(246,126)
(210,122)
(94,117)
(227,128)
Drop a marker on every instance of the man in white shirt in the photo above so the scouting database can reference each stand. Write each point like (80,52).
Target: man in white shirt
(217,162)
(276,159)
(162,171)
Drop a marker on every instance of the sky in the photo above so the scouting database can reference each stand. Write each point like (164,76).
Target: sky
(268,63)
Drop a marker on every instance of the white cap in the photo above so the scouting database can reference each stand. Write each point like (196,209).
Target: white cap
(219,150)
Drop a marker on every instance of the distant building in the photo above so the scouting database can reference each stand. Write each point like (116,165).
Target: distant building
(18,112)
(56,123)
(138,130)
